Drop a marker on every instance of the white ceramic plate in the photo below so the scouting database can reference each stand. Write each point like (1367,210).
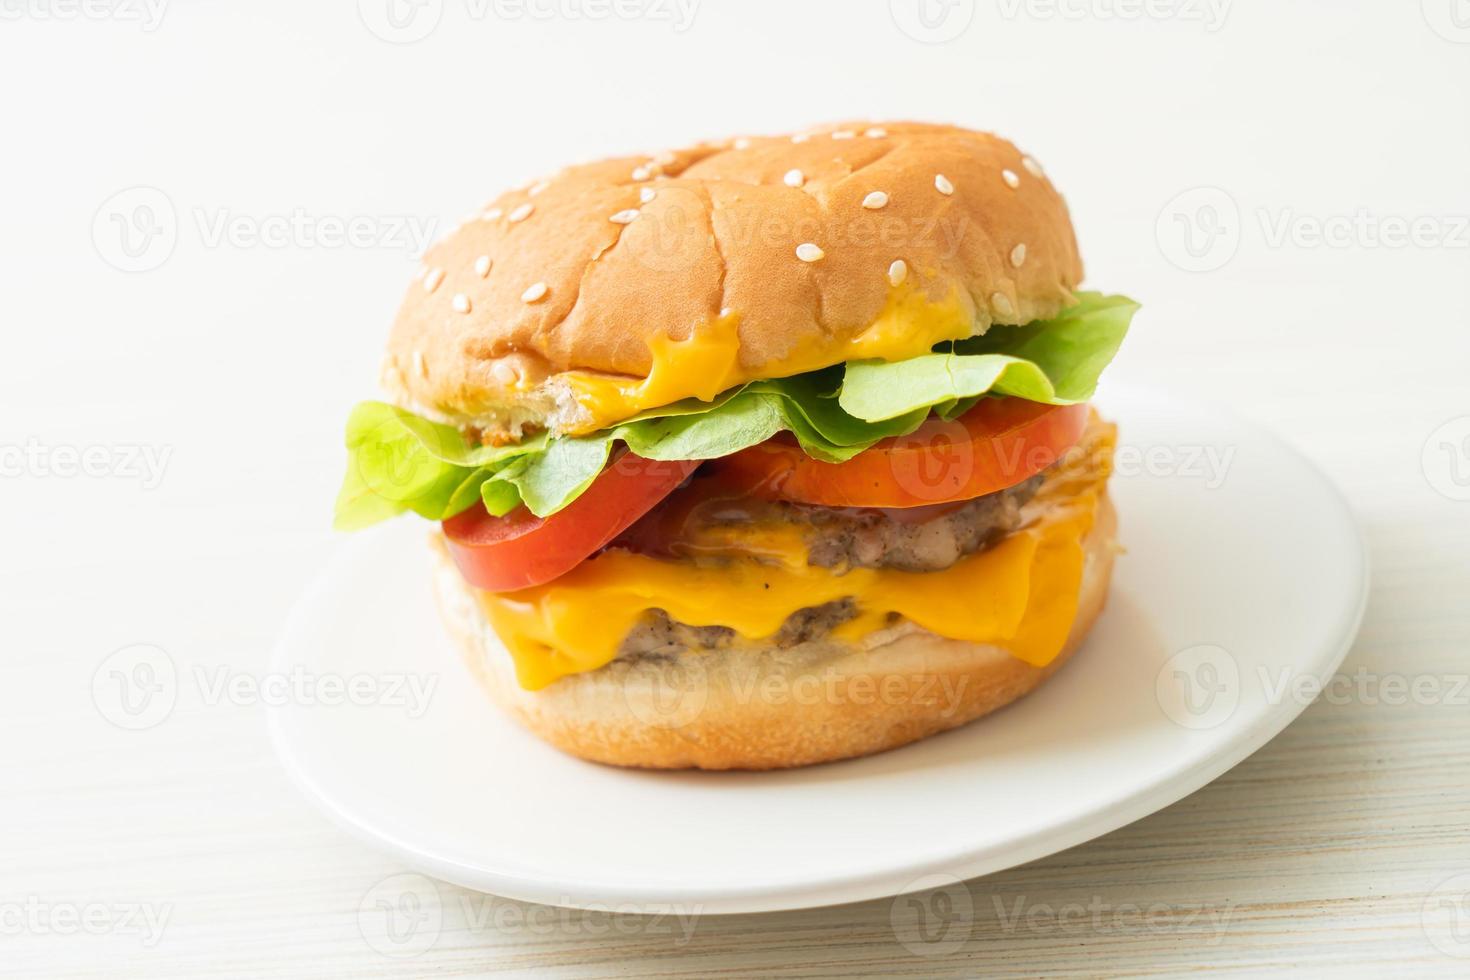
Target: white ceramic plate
(1242,586)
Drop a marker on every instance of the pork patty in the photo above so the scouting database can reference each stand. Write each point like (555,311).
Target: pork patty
(852,538)
(846,538)
(658,637)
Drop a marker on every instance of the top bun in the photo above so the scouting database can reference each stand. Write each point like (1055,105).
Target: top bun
(780,254)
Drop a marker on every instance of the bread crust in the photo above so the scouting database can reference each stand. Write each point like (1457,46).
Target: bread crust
(767,708)
(977,224)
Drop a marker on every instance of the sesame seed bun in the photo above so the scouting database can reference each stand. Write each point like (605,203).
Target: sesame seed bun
(758,707)
(799,242)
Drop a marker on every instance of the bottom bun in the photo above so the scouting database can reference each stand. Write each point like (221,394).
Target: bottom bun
(752,706)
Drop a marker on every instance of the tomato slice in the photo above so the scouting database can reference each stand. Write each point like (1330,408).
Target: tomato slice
(519,550)
(997,444)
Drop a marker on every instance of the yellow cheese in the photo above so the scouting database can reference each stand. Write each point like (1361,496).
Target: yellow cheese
(702,366)
(708,361)
(911,324)
(1022,592)
(774,542)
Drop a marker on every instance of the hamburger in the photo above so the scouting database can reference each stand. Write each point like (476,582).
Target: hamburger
(759,453)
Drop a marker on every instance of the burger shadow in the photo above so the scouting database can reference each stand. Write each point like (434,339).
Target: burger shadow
(1102,696)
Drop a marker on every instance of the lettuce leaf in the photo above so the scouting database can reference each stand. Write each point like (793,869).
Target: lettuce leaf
(399,461)
(1056,362)
(548,481)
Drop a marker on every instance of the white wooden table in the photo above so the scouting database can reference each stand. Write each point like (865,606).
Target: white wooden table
(180,850)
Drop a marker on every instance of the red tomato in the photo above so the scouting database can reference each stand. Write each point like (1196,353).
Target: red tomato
(995,445)
(519,550)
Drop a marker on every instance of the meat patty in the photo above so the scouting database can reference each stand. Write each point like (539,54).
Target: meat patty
(701,522)
(658,637)
(864,538)
(839,539)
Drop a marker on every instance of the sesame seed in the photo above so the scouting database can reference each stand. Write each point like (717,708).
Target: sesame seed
(875,200)
(1018,255)
(482,266)
(801,137)
(876,132)
(809,252)
(1009,176)
(742,143)
(642,173)
(794,178)
(898,272)
(534,292)
(1032,167)
(461,303)
(624,217)
(646,194)
(432,279)
(843,134)
(492,215)
(419,367)
(522,212)
(942,184)
(1002,304)
(503,372)
(537,188)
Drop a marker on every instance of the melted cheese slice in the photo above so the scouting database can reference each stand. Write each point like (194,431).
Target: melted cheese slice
(1021,593)
(708,361)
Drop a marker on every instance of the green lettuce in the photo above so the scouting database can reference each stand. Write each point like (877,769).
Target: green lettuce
(399,461)
(805,406)
(1056,362)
